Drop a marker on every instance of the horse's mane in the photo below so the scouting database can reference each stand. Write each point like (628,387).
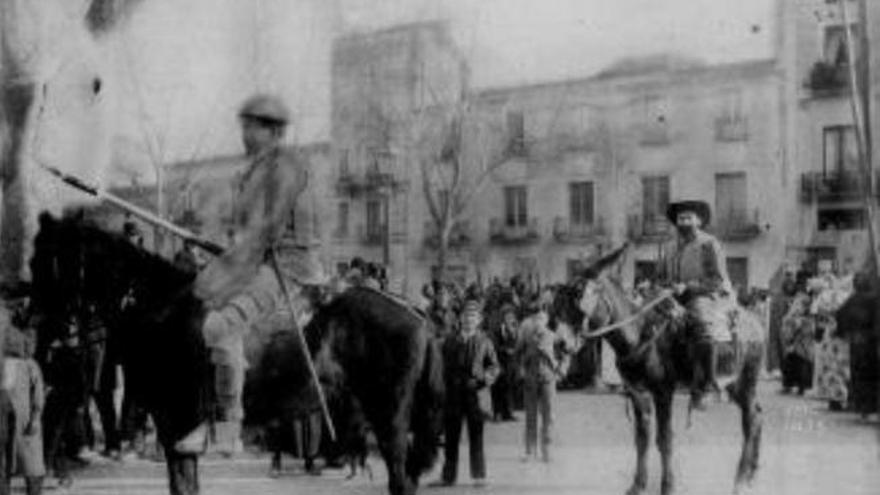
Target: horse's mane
(111,258)
(362,307)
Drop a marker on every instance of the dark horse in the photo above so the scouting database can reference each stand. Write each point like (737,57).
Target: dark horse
(653,360)
(148,307)
(384,353)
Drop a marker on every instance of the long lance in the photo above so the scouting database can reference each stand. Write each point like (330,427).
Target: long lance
(136,211)
(208,246)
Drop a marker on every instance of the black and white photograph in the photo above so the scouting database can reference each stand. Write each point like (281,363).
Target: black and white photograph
(449,247)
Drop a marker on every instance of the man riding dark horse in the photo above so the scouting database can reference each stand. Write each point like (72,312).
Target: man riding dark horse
(239,287)
(693,265)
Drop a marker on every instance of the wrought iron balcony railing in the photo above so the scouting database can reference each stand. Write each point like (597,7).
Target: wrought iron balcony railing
(566,231)
(502,233)
(832,187)
(738,225)
(648,230)
(459,235)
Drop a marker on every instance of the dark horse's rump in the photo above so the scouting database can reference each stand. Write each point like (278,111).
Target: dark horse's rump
(388,359)
(147,308)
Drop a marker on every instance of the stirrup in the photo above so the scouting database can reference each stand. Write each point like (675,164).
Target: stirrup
(195,442)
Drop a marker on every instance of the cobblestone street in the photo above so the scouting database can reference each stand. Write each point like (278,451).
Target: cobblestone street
(807,450)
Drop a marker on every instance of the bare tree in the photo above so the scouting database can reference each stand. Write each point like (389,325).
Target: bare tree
(459,149)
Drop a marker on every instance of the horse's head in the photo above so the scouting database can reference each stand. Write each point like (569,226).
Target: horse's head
(57,108)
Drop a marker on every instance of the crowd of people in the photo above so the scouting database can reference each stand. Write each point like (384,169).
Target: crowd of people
(826,345)
(55,387)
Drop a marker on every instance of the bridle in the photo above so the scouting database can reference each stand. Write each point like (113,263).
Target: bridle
(643,345)
(603,296)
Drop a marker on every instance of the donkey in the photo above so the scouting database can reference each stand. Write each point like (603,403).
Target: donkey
(652,356)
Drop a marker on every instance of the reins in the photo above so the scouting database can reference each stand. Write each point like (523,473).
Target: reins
(601,331)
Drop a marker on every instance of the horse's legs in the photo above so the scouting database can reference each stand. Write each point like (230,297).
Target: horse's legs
(183,472)
(641,402)
(393,445)
(663,403)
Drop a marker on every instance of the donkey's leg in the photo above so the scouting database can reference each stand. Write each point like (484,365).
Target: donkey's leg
(393,444)
(183,471)
(663,403)
(752,423)
(641,402)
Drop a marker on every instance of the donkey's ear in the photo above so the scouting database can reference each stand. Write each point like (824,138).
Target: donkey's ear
(103,16)
(608,260)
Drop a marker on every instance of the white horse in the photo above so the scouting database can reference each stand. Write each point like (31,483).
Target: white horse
(56,109)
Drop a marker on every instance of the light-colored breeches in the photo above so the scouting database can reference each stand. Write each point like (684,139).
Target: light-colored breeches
(225,329)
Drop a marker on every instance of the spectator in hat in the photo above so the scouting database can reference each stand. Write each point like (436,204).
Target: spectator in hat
(470,367)
(536,354)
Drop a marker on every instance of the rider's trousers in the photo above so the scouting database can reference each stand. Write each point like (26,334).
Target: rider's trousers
(225,329)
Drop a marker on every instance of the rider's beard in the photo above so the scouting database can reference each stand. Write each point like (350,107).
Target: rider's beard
(686,230)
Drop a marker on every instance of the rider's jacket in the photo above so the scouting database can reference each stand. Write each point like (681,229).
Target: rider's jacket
(698,263)
(270,201)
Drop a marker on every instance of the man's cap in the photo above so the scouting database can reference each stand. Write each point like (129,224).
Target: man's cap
(472,306)
(265,107)
(700,208)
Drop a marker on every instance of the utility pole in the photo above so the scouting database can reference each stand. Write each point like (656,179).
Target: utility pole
(860,106)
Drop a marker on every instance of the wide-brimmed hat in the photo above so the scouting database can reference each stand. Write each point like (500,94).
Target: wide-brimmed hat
(701,208)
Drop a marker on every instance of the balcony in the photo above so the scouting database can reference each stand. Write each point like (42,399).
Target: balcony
(738,225)
(459,236)
(373,236)
(826,79)
(650,230)
(564,231)
(729,129)
(503,234)
(831,187)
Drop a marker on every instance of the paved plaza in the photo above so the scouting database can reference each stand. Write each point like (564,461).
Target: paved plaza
(807,450)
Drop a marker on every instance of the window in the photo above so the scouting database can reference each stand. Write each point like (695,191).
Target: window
(515,212)
(655,199)
(732,105)
(580,196)
(375,219)
(516,132)
(834,44)
(738,271)
(342,220)
(730,124)
(730,199)
(839,149)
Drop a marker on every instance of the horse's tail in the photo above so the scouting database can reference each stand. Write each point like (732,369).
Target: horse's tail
(428,410)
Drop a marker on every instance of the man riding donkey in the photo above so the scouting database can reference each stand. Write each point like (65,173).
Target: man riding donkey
(693,265)
(240,287)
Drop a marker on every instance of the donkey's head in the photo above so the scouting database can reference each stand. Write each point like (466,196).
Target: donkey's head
(56,107)
(595,284)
